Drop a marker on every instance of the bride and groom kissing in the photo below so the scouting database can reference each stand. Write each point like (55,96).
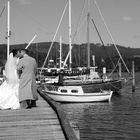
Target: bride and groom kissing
(19,91)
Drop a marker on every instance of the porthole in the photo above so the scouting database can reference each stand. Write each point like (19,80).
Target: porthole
(63,90)
(74,91)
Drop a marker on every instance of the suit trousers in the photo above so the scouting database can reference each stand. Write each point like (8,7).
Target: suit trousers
(27,104)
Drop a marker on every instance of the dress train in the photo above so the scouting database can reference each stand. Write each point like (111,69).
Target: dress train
(9,96)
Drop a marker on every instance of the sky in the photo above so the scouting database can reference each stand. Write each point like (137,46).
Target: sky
(41,17)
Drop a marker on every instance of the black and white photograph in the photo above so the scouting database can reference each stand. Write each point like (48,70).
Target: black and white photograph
(69,69)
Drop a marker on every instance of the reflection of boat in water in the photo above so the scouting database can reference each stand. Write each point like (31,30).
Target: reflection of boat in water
(76,94)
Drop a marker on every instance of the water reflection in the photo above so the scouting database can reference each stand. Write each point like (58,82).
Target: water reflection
(119,119)
(86,122)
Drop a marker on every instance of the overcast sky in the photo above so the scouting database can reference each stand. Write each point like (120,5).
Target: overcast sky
(41,17)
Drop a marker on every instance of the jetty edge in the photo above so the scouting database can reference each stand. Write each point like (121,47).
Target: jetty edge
(65,125)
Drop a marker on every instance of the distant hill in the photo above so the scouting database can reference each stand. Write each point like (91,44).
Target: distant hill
(79,53)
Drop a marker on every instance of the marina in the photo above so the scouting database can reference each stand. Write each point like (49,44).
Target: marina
(87,90)
(92,120)
(118,119)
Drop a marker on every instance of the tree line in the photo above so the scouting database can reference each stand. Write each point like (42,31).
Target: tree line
(104,55)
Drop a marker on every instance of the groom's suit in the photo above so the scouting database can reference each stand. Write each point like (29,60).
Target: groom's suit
(27,84)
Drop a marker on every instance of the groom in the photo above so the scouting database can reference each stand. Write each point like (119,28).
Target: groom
(27,85)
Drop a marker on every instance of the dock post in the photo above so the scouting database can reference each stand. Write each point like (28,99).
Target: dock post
(104,73)
(133,76)
(120,70)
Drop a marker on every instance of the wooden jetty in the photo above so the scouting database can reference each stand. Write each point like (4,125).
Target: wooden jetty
(39,123)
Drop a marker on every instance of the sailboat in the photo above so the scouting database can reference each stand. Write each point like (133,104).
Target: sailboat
(75,94)
(90,83)
(78,90)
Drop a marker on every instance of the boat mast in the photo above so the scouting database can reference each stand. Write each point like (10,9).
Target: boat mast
(60,60)
(8,29)
(54,38)
(88,44)
(70,36)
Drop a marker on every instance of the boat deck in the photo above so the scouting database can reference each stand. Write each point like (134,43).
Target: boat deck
(40,123)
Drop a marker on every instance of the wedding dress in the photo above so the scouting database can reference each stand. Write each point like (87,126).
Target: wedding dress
(9,88)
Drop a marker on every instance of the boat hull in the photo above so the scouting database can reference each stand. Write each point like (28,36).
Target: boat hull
(114,85)
(91,87)
(80,98)
(75,94)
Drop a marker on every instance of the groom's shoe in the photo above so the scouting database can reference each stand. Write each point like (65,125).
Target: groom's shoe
(28,107)
(33,103)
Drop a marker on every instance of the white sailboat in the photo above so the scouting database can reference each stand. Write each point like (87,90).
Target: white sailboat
(75,94)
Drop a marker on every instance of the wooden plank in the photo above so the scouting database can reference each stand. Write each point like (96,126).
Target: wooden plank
(40,123)
(29,123)
(66,127)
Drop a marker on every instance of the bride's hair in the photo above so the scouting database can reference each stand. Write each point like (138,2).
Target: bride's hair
(14,51)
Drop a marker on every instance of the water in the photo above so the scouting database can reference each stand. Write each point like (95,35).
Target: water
(118,120)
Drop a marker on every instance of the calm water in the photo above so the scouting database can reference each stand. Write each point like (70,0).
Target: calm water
(118,120)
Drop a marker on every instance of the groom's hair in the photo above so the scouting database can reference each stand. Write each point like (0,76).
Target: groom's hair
(25,50)
(14,51)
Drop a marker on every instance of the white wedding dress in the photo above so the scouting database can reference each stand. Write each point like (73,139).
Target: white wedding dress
(9,88)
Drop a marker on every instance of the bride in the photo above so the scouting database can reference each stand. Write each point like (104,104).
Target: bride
(9,88)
